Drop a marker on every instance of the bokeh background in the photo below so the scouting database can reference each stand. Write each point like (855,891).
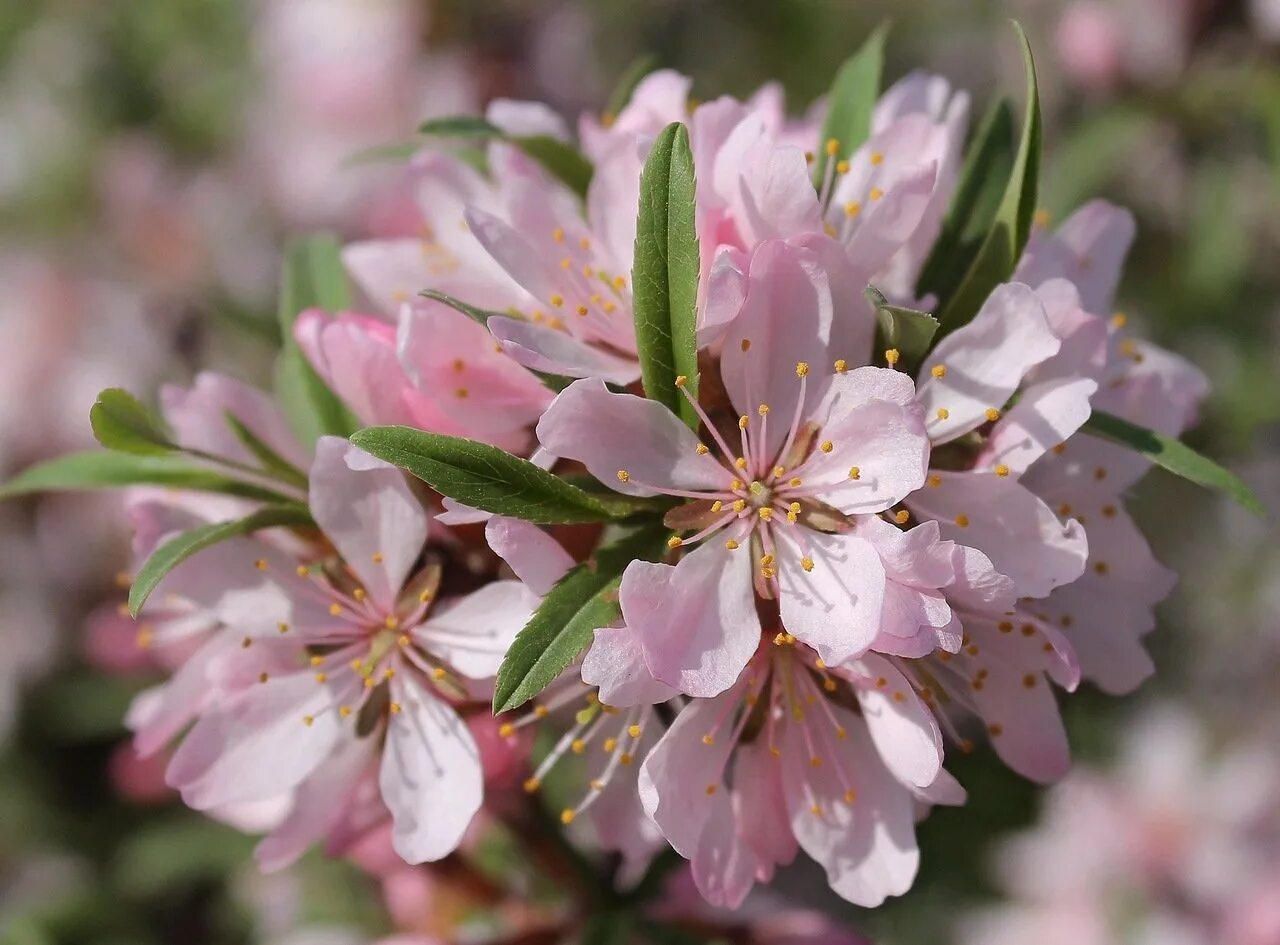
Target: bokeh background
(155,153)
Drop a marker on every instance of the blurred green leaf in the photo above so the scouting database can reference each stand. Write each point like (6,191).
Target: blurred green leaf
(120,422)
(851,101)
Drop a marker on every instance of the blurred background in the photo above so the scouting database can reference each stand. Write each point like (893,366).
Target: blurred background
(155,153)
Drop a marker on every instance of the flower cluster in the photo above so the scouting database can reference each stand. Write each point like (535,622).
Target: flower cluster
(841,536)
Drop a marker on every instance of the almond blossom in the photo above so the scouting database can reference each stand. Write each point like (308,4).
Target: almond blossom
(774,519)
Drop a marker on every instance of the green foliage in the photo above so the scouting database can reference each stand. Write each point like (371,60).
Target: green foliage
(120,422)
(584,600)
(903,329)
(487,478)
(558,158)
(664,280)
(851,101)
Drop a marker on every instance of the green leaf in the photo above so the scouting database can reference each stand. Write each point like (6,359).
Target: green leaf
(664,280)
(631,76)
(271,461)
(998,255)
(177,550)
(460,126)
(312,277)
(120,422)
(851,101)
(487,478)
(980,187)
(904,329)
(556,382)
(583,601)
(558,158)
(101,469)
(1173,455)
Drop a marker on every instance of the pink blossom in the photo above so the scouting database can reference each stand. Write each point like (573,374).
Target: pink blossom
(773,519)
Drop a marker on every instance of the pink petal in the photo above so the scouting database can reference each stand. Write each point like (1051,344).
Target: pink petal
(696,622)
(522,118)
(198,418)
(615,664)
(609,432)
(356,357)
(984,362)
(541,348)
(900,724)
(834,607)
(474,632)
(1019,533)
(724,866)
(1089,248)
(785,319)
(760,805)
(369,514)
(537,559)
(1044,416)
(431,777)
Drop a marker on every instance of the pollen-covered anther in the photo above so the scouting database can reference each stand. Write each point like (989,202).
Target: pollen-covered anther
(829,684)
(531,785)
(766,514)
(934,481)
(744,345)
(261,564)
(731,545)
(359,594)
(852,208)
(624,476)
(582,310)
(302,570)
(1002,470)
(826,446)
(282,627)
(308,720)
(938,370)
(675,541)
(378,557)
(566,263)
(795,482)
(626,758)
(557,300)
(739,505)
(702,449)
(711,789)
(541,711)
(807,563)
(335,610)
(762,409)
(876,193)
(506,730)
(902,516)
(609,745)
(962,520)
(743,422)
(567,815)
(740,462)
(943,413)
(891,356)
(992,414)
(855,472)
(832,147)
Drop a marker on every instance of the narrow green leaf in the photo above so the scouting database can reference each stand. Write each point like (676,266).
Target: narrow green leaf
(102,469)
(487,478)
(1000,250)
(906,330)
(271,461)
(177,550)
(851,101)
(559,158)
(1173,455)
(312,277)
(120,422)
(664,280)
(980,187)
(460,126)
(583,601)
(556,382)
(631,76)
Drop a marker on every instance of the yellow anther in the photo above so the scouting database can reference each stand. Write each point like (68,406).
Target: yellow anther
(962,520)
(1042,218)
(743,421)
(766,514)
(344,711)
(425,597)
(777,472)
(316,660)
(891,356)
(395,708)
(708,739)
(302,570)
(833,147)
(681,380)
(402,640)
(321,677)
(829,685)
(766,560)
(335,610)
(739,505)
(701,449)
(731,545)
(378,557)
(392,622)
(619,283)
(626,758)
(826,446)
(261,564)
(359,594)
(943,413)
(624,476)
(558,234)
(938,370)
(461,393)
(675,541)
(1002,470)
(531,785)
(852,208)
(438,673)
(807,563)
(934,481)
(816,810)
(901,516)
(578,746)
(711,789)
(567,815)
(1119,319)
(850,796)
(584,243)
(717,505)
(740,462)
(263,677)
(566,263)
(794,507)
(762,409)
(633,731)
(541,711)
(735,485)
(282,627)
(815,762)
(877,158)
(582,310)
(841,365)
(794,482)
(609,744)
(744,345)
(802,369)
(992,414)
(876,193)
(855,472)
(506,730)
(308,720)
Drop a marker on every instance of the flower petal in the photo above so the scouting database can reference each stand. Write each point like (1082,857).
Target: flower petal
(977,368)
(431,777)
(615,663)
(834,607)
(369,514)
(1044,416)
(900,724)
(541,348)
(537,559)
(473,632)
(609,433)
(1089,248)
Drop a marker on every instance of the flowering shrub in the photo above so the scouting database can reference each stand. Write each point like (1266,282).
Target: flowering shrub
(755,464)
